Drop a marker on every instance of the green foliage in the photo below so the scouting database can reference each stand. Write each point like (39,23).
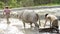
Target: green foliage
(56,1)
(1,4)
(13,3)
(27,3)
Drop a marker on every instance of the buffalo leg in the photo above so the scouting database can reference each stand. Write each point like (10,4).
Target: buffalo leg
(24,24)
(31,25)
(36,25)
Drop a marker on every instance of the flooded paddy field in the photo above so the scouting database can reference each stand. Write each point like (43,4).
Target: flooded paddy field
(16,26)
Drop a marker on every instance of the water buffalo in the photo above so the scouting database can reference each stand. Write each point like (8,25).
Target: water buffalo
(29,17)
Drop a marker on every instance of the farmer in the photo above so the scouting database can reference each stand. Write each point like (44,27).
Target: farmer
(53,21)
(6,13)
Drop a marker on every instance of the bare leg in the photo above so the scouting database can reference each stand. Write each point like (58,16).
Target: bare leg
(8,21)
(7,17)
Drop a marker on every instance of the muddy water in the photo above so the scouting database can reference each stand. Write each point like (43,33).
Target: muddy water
(16,26)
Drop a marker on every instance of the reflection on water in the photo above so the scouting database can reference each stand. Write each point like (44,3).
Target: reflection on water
(16,27)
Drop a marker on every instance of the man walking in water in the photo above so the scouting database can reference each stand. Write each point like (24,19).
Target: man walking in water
(6,13)
(53,21)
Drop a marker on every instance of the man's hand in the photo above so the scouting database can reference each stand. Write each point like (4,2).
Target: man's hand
(46,19)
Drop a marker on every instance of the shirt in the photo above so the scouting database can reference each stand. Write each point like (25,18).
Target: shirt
(7,11)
